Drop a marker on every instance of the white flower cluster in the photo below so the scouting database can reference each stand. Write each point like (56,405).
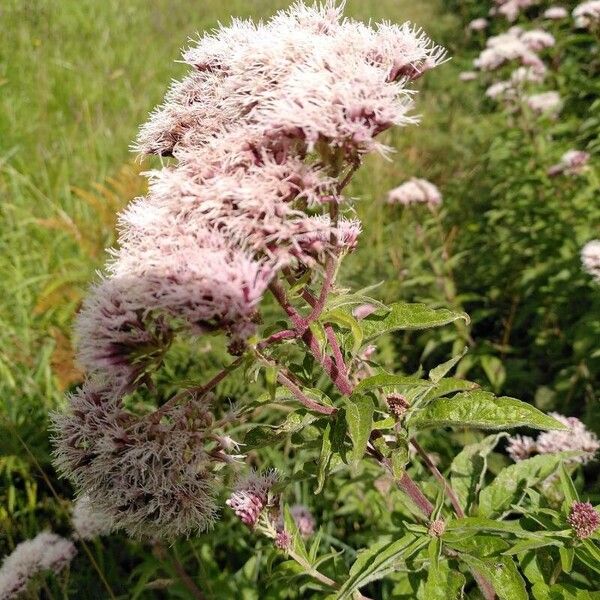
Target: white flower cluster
(45,552)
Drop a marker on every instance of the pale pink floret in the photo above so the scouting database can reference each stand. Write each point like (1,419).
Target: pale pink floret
(254,75)
(89,522)
(45,552)
(304,520)
(545,103)
(150,477)
(584,519)
(556,13)
(514,44)
(468,76)
(251,495)
(587,14)
(577,438)
(590,259)
(478,24)
(538,39)
(572,162)
(511,9)
(521,447)
(415,191)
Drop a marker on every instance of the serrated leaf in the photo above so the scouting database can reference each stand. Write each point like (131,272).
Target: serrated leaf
(440,371)
(502,573)
(509,484)
(482,410)
(405,316)
(449,385)
(468,469)
(378,561)
(389,380)
(359,417)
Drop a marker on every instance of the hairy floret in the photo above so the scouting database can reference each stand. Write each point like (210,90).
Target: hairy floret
(148,476)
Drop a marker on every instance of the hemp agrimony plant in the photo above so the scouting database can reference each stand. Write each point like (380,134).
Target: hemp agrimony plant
(265,134)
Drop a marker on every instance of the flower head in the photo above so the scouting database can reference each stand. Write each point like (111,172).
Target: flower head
(478,24)
(251,495)
(148,476)
(556,13)
(572,162)
(548,103)
(584,519)
(415,191)
(587,14)
(577,438)
(590,258)
(45,552)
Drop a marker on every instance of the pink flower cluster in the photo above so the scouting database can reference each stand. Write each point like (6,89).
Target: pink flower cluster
(515,44)
(269,122)
(251,496)
(415,191)
(47,552)
(584,519)
(572,162)
(511,9)
(587,14)
(576,438)
(590,259)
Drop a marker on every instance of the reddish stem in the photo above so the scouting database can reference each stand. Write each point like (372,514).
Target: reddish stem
(460,513)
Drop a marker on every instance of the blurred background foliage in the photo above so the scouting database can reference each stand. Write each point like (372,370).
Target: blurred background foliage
(77,77)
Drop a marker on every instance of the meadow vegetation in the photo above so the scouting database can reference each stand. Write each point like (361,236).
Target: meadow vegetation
(77,78)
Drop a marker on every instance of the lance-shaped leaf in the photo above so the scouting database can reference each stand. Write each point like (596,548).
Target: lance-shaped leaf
(378,561)
(509,484)
(468,469)
(405,316)
(482,410)
(359,416)
(389,380)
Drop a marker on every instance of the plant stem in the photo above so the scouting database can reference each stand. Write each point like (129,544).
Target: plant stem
(286,379)
(189,583)
(460,513)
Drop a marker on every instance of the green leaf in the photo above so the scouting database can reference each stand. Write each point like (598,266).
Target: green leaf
(502,573)
(468,468)
(378,561)
(443,583)
(566,558)
(568,488)
(441,370)
(482,410)
(359,416)
(404,316)
(510,483)
(494,371)
(400,458)
(324,459)
(389,380)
